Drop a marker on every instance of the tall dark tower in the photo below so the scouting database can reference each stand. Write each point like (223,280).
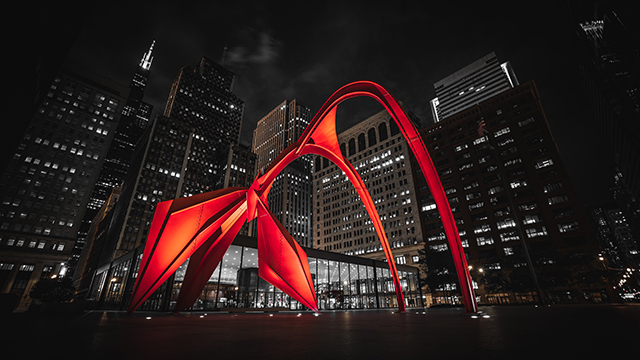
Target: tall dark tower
(203,98)
(133,122)
(610,71)
(47,185)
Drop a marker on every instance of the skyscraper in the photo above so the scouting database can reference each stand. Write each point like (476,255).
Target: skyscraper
(610,71)
(237,164)
(514,204)
(134,120)
(290,197)
(203,98)
(470,85)
(47,185)
(178,155)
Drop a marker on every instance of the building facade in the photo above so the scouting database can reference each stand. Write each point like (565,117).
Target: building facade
(340,282)
(290,196)
(48,184)
(177,155)
(133,122)
(381,157)
(238,166)
(89,258)
(203,98)
(470,85)
(610,72)
(515,208)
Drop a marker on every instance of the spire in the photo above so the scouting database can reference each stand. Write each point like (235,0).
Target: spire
(224,52)
(145,63)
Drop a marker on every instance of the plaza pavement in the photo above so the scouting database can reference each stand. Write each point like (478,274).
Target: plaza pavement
(510,332)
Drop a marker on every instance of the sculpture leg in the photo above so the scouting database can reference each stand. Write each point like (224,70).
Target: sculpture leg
(203,262)
(282,262)
(179,227)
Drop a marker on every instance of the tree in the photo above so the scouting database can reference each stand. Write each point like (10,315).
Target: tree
(439,270)
(48,290)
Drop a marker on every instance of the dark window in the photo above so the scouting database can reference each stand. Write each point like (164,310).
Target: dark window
(372,137)
(361,142)
(382,131)
(23,276)
(352,147)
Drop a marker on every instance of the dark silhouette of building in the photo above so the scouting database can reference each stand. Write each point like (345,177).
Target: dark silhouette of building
(610,70)
(178,155)
(47,185)
(519,219)
(237,165)
(203,98)
(132,124)
(91,254)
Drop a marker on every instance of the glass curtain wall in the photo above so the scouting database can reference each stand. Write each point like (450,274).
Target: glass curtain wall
(338,285)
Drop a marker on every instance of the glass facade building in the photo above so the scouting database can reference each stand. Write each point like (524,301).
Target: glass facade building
(340,281)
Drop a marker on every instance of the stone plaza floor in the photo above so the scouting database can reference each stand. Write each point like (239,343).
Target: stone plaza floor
(522,332)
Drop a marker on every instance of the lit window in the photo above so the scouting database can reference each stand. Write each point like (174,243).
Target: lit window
(543,163)
(484,240)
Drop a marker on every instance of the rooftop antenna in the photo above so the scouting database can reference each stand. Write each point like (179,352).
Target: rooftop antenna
(224,52)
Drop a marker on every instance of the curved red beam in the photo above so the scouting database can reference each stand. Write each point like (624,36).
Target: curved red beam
(324,142)
(411,135)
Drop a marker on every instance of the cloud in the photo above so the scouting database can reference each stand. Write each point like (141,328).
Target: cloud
(254,47)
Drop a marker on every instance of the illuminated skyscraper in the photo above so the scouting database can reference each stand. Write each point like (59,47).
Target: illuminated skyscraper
(290,196)
(470,85)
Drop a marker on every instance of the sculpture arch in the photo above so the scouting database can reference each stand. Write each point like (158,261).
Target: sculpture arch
(206,241)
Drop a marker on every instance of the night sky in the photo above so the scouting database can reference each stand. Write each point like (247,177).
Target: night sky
(307,52)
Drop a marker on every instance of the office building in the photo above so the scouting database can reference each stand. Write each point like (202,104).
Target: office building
(513,202)
(619,247)
(380,155)
(178,155)
(238,164)
(470,85)
(89,257)
(47,185)
(203,98)
(610,72)
(290,197)
(134,120)
(340,282)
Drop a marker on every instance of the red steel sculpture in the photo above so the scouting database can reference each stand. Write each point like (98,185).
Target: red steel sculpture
(203,226)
